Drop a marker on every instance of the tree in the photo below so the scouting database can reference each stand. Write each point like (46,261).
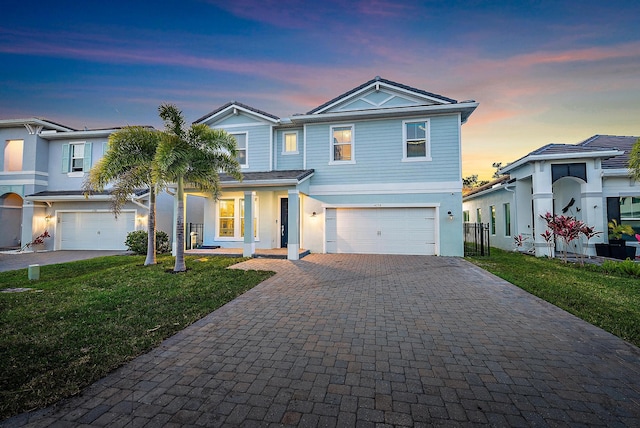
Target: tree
(497,166)
(128,164)
(634,160)
(196,156)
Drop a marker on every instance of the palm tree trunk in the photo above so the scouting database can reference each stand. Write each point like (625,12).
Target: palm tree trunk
(151,228)
(180,265)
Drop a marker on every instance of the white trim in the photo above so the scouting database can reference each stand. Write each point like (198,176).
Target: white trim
(75,174)
(235,108)
(386,188)
(46,174)
(377,85)
(427,131)
(386,205)
(22,182)
(271,150)
(565,157)
(238,125)
(616,172)
(284,143)
(71,135)
(332,161)
(246,147)
(279,228)
(304,146)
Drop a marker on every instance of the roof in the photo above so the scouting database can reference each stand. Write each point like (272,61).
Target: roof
(613,150)
(237,104)
(293,174)
(6,123)
(388,82)
(76,193)
(492,184)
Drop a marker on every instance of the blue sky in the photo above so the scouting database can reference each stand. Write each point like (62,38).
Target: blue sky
(542,71)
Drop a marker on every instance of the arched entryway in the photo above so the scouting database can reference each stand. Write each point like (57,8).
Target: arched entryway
(10,220)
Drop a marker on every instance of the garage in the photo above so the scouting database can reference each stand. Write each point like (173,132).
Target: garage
(388,230)
(81,230)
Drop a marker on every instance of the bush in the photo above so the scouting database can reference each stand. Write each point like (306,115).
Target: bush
(137,242)
(627,267)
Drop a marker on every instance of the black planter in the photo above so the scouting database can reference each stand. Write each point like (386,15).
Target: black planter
(602,250)
(620,242)
(622,252)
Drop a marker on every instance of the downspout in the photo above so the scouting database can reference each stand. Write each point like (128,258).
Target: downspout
(514,219)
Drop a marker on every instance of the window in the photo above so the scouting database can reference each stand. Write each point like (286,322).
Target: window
(492,210)
(290,143)
(76,157)
(13,155)
(507,219)
(415,136)
(630,212)
(465,216)
(241,140)
(231,219)
(479,215)
(226,217)
(342,144)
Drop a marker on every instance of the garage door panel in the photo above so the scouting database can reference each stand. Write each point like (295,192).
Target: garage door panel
(95,230)
(385,231)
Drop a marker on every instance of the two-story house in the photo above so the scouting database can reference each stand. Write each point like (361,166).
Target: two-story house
(374,170)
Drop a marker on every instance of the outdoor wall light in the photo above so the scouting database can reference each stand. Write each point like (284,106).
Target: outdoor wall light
(450,215)
(313,214)
(47,218)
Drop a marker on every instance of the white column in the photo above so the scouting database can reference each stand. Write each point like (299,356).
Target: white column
(293,246)
(28,213)
(249,247)
(592,202)
(542,204)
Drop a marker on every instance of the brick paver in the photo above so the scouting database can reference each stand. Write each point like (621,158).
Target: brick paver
(336,340)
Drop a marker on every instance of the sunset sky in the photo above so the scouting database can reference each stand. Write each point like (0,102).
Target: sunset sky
(542,71)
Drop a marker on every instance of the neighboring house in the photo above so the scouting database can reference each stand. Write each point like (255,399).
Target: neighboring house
(589,180)
(43,168)
(375,170)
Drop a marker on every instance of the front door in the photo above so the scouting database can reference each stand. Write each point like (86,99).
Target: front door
(284,222)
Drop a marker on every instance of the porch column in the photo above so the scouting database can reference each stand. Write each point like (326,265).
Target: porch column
(249,248)
(542,204)
(293,246)
(593,212)
(28,212)
(174,244)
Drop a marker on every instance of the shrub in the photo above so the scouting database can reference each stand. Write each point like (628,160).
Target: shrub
(627,267)
(137,241)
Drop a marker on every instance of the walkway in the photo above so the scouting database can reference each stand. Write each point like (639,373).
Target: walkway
(335,340)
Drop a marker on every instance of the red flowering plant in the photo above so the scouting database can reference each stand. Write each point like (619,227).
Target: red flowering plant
(38,241)
(568,229)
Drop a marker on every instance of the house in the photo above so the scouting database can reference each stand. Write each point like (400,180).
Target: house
(589,180)
(374,170)
(44,165)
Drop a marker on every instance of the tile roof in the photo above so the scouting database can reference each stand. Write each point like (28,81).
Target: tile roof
(297,174)
(608,142)
(231,103)
(388,82)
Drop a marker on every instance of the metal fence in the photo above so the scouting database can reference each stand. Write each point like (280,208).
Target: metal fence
(476,239)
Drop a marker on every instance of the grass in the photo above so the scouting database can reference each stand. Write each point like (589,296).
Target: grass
(608,300)
(86,318)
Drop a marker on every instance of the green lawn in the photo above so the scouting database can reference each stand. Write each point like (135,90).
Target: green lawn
(609,301)
(86,318)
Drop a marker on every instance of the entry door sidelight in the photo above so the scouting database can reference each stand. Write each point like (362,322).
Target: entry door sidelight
(284,222)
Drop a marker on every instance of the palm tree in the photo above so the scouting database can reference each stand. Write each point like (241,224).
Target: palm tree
(128,164)
(634,160)
(196,156)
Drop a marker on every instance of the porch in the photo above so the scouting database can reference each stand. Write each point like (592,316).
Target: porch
(272,253)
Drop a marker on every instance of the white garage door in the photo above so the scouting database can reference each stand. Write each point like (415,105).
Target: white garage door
(94,230)
(381,230)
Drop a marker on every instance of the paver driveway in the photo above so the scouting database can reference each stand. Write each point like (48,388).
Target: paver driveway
(336,340)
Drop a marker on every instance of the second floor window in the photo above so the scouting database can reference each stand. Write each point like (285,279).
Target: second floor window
(242,147)
(13,155)
(416,140)
(342,143)
(290,143)
(76,157)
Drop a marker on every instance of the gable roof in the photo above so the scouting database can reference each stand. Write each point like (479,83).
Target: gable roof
(377,81)
(37,121)
(230,106)
(613,150)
